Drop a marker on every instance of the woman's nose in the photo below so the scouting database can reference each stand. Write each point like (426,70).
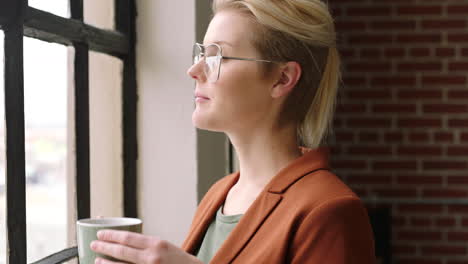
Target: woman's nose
(195,71)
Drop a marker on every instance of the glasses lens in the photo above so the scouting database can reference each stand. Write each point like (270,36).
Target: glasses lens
(212,62)
(210,56)
(196,54)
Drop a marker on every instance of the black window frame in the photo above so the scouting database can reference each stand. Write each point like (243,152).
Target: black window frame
(17,20)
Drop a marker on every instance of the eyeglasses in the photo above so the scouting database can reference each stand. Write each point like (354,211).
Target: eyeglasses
(211,55)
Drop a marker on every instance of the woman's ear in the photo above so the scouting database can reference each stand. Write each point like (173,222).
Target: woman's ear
(289,75)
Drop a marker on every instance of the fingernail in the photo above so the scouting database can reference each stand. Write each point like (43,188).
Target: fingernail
(97,261)
(93,245)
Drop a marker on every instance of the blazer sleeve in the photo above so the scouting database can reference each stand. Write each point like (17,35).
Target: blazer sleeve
(337,232)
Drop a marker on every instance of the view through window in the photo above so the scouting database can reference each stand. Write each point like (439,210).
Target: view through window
(45,82)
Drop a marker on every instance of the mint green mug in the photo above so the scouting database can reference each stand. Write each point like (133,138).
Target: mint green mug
(86,230)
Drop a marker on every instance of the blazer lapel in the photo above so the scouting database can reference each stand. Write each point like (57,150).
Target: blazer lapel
(247,227)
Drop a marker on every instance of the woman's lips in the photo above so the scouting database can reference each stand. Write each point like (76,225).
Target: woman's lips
(201,99)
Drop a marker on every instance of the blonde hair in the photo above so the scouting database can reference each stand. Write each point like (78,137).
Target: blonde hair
(301,31)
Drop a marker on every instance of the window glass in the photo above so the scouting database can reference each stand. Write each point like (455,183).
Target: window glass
(56,7)
(45,100)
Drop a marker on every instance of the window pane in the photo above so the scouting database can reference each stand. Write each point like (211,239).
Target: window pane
(45,67)
(57,7)
(2,162)
(99,13)
(105,135)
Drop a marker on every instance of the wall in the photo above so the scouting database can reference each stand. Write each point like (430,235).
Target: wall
(402,127)
(167,140)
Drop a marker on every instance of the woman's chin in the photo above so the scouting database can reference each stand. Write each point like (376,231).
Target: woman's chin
(199,120)
(204,122)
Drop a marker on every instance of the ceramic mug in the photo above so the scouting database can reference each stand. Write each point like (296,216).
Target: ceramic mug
(87,229)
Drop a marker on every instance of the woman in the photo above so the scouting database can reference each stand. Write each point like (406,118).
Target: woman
(267,76)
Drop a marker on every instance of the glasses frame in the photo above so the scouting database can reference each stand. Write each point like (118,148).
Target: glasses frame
(220,57)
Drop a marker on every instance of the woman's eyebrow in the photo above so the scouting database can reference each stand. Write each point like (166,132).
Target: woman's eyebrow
(221,42)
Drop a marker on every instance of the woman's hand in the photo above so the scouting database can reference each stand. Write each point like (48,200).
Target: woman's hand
(139,249)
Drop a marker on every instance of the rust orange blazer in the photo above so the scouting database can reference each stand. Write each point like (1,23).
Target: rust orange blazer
(304,215)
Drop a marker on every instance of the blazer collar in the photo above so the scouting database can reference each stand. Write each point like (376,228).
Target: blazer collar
(311,160)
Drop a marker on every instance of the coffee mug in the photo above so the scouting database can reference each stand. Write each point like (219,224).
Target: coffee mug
(86,230)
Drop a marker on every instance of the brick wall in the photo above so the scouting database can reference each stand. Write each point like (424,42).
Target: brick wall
(401,131)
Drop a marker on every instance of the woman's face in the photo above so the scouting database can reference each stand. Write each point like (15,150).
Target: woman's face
(240,99)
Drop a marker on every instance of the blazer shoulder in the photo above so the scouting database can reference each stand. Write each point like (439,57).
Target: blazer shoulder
(318,188)
(337,231)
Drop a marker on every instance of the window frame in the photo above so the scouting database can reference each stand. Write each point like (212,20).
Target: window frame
(17,20)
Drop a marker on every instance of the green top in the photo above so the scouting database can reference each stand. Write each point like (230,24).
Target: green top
(217,232)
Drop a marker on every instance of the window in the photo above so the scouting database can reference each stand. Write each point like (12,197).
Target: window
(42,31)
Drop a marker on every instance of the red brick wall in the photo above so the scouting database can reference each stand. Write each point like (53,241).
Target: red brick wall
(401,131)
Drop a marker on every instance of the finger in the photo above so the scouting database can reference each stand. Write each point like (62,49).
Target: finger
(130,239)
(105,261)
(117,251)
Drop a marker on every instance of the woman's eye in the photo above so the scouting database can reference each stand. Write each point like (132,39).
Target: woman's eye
(211,61)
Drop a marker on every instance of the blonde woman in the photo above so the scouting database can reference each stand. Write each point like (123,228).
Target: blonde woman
(266,75)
